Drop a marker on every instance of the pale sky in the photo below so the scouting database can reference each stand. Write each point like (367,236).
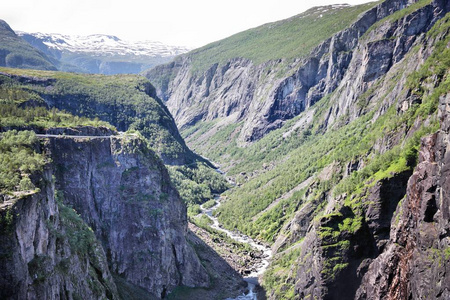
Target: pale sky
(191,23)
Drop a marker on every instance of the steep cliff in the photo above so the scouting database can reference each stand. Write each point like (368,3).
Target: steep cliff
(373,240)
(123,192)
(125,101)
(129,239)
(416,260)
(47,251)
(263,95)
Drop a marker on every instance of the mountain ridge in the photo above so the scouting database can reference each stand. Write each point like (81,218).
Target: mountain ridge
(101,54)
(101,44)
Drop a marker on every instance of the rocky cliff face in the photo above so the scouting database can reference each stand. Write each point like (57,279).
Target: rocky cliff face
(48,252)
(416,260)
(132,225)
(124,101)
(265,96)
(396,244)
(123,192)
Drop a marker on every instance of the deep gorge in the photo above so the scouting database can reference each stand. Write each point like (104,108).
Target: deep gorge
(332,146)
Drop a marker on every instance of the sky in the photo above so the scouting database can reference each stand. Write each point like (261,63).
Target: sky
(191,23)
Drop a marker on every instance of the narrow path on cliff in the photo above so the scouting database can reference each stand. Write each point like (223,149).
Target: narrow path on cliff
(259,267)
(61,136)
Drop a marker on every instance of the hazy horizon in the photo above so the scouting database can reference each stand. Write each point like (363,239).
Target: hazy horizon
(179,23)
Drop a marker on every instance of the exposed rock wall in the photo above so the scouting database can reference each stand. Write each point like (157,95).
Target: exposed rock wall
(415,263)
(399,250)
(132,225)
(123,192)
(41,256)
(264,96)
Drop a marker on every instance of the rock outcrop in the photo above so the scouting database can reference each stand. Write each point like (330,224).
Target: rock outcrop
(48,252)
(417,257)
(123,192)
(124,101)
(388,237)
(130,234)
(393,242)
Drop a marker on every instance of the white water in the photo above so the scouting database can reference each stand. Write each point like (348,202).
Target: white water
(260,267)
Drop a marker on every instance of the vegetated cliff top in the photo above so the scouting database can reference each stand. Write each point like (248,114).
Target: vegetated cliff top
(290,38)
(16,53)
(125,101)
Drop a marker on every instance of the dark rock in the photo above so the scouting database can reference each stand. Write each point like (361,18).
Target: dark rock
(39,258)
(415,262)
(123,192)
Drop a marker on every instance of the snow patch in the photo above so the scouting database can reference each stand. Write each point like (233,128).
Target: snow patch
(100,44)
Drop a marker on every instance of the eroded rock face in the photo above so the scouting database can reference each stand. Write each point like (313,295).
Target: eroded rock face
(415,264)
(131,228)
(47,252)
(257,95)
(399,250)
(123,192)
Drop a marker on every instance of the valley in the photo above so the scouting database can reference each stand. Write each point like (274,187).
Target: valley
(331,130)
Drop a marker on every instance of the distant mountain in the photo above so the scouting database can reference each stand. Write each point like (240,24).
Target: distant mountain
(16,53)
(104,54)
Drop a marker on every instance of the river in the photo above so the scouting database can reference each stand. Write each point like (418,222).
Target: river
(260,267)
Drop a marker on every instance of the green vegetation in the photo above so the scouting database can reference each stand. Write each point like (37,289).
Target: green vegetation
(41,118)
(80,237)
(334,236)
(19,159)
(306,152)
(276,277)
(17,53)
(193,210)
(197,184)
(209,204)
(125,101)
(291,38)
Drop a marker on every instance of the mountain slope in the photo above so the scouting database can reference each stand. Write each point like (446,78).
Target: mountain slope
(324,151)
(103,54)
(126,101)
(264,95)
(16,53)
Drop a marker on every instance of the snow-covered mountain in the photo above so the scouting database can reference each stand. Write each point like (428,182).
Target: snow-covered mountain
(101,44)
(99,53)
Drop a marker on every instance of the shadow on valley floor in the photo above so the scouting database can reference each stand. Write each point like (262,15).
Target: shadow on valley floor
(226,282)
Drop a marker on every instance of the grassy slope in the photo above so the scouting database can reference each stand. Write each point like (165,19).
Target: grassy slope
(291,38)
(429,82)
(15,52)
